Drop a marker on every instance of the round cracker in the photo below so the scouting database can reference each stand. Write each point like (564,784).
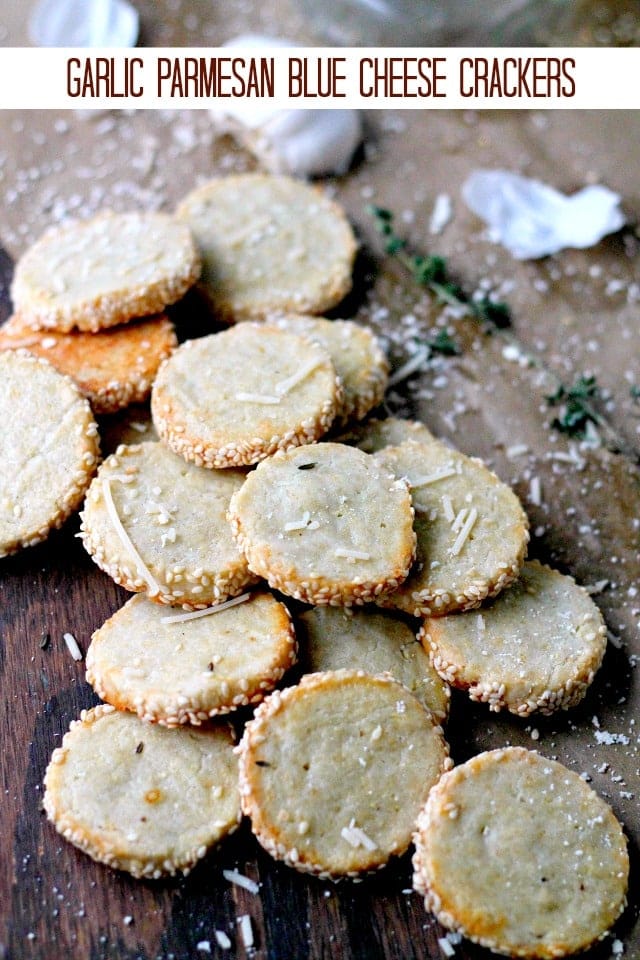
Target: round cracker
(356,355)
(98,273)
(112,368)
(234,398)
(269,244)
(157,525)
(472,531)
(325,524)
(334,771)
(536,647)
(184,668)
(374,434)
(48,449)
(140,797)
(339,638)
(517,853)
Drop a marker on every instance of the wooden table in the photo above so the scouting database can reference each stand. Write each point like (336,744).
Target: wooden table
(578,312)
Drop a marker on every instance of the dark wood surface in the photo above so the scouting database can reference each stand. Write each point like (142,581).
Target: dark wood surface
(56,902)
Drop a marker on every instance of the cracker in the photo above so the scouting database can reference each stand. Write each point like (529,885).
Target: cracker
(269,244)
(356,355)
(536,647)
(517,853)
(157,525)
(472,531)
(334,771)
(112,368)
(139,797)
(325,524)
(376,641)
(174,669)
(98,273)
(48,449)
(374,434)
(234,398)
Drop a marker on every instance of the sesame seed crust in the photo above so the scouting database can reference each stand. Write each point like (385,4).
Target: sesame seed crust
(49,449)
(187,672)
(269,244)
(102,272)
(374,434)
(536,648)
(223,401)
(357,356)
(332,771)
(366,638)
(139,797)
(472,554)
(112,368)
(174,515)
(518,854)
(339,533)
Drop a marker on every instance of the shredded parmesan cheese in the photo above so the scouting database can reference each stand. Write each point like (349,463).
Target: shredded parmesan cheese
(352,554)
(72,646)
(433,477)
(464,533)
(356,837)
(223,940)
(414,363)
(257,398)
(241,881)
(154,588)
(285,386)
(298,524)
(535,492)
(447,506)
(196,614)
(459,520)
(517,450)
(246,930)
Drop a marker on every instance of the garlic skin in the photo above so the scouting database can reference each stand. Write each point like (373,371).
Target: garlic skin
(303,143)
(83,23)
(532,219)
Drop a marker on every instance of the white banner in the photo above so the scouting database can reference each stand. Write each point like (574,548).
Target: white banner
(321,77)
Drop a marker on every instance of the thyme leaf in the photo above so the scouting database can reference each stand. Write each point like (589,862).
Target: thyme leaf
(577,410)
(431,272)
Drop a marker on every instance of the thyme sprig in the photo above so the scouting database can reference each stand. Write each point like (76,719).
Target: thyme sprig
(431,272)
(577,409)
(577,413)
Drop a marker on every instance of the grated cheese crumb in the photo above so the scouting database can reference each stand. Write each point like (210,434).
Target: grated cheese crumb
(241,881)
(446,946)
(356,837)
(246,930)
(517,450)
(535,492)
(223,940)
(72,646)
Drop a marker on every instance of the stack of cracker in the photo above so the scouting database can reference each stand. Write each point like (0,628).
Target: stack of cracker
(410,559)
